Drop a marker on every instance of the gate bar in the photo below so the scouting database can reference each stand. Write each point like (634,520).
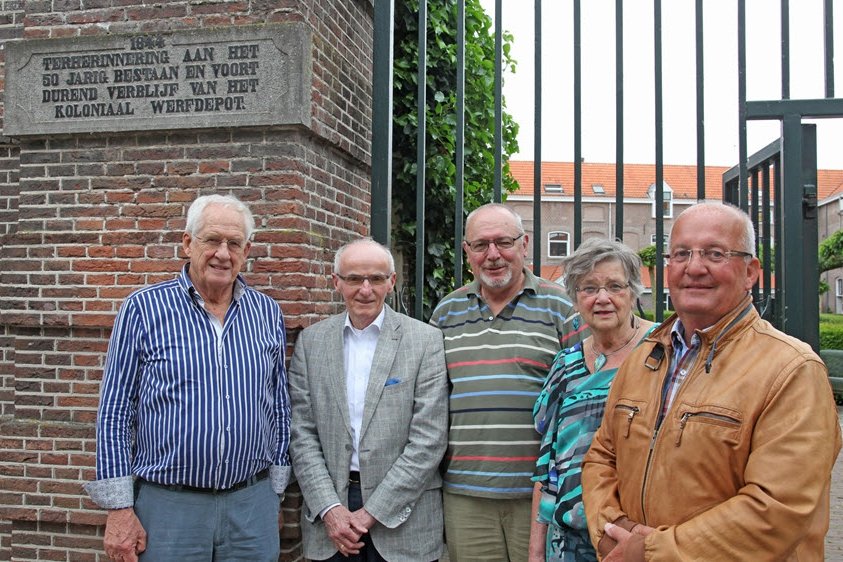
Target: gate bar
(382,122)
(421,161)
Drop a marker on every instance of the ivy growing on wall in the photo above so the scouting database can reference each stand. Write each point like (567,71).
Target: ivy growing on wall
(440,185)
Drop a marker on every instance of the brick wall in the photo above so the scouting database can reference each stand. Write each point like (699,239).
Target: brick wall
(85,219)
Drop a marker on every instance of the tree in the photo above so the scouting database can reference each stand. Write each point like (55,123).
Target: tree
(649,258)
(831,252)
(441,133)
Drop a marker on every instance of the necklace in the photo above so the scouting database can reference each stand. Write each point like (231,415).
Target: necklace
(601,358)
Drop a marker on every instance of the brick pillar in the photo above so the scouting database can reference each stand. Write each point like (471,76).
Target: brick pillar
(87,218)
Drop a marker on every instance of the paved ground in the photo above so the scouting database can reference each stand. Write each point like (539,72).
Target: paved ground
(834,539)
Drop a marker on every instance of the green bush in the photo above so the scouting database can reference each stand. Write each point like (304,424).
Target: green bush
(831,335)
(651,315)
(831,319)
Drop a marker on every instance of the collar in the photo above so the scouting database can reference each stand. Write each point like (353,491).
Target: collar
(716,336)
(187,286)
(377,322)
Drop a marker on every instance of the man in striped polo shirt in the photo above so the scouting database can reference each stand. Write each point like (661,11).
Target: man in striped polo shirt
(502,332)
(194,417)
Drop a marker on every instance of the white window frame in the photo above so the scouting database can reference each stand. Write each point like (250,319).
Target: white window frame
(551,243)
(838,287)
(666,301)
(667,200)
(666,240)
(554,188)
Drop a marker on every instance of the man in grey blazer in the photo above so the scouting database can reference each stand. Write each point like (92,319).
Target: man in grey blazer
(369,427)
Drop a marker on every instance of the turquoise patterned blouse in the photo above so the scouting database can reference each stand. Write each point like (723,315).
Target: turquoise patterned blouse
(567,414)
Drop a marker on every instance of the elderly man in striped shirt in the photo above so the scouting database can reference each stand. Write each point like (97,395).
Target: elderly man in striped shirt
(502,332)
(193,423)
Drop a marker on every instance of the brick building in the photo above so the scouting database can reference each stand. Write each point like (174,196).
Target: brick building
(639,230)
(87,217)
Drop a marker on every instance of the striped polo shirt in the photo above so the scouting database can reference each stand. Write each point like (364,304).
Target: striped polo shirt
(497,366)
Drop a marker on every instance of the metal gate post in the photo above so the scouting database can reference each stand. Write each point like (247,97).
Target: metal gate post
(382,122)
(799,252)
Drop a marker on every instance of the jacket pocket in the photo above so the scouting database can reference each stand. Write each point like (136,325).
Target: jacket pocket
(624,414)
(720,423)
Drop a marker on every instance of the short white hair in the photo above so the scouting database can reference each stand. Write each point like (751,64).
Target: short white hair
(197,209)
(370,242)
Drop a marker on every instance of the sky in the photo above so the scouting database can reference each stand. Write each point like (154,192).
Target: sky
(678,77)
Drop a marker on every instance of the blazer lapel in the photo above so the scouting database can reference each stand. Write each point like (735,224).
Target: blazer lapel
(387,347)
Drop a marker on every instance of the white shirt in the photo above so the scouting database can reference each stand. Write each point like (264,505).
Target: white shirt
(358,353)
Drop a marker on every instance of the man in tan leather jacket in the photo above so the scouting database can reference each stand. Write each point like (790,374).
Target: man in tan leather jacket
(720,432)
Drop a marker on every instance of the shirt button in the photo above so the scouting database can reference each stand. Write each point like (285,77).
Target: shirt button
(491,317)
(227,397)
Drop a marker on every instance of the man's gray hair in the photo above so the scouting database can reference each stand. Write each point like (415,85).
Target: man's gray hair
(518,222)
(370,242)
(598,250)
(197,209)
(748,234)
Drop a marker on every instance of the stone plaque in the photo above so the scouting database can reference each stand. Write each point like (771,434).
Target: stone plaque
(238,76)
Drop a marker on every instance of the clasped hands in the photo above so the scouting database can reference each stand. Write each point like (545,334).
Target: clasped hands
(345,528)
(623,541)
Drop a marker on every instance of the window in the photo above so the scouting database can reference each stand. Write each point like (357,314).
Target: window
(553,188)
(838,287)
(666,240)
(667,200)
(666,300)
(557,244)
(598,189)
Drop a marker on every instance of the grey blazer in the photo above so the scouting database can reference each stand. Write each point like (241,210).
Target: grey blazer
(402,438)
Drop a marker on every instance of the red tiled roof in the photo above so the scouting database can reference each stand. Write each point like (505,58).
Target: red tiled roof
(829,183)
(637,179)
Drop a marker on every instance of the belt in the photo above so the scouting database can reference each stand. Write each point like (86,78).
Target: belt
(262,475)
(354,477)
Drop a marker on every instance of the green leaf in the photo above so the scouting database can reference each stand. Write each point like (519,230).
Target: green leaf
(440,144)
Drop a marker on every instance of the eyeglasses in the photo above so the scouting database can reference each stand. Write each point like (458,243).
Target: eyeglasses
(358,280)
(481,246)
(612,289)
(708,255)
(234,246)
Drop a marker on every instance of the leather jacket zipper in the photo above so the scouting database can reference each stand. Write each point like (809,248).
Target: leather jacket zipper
(688,415)
(629,417)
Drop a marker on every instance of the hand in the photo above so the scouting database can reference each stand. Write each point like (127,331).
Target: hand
(343,531)
(630,545)
(125,537)
(362,520)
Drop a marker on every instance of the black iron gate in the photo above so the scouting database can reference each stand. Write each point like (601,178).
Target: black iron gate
(790,302)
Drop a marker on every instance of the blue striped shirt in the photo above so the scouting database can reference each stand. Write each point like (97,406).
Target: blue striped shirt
(185,400)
